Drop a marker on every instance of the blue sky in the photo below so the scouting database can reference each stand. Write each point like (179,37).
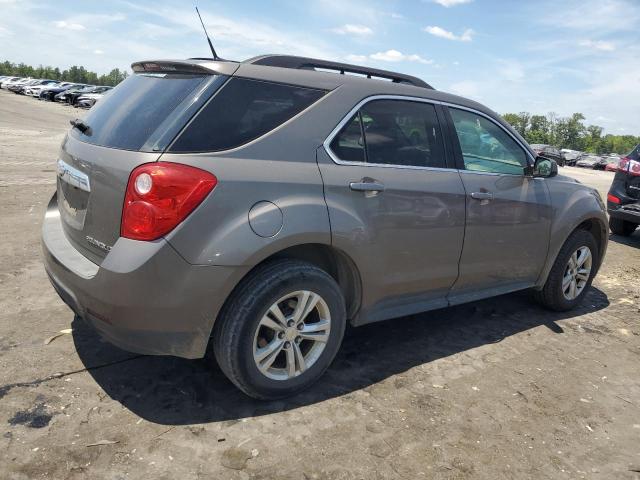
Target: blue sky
(536,56)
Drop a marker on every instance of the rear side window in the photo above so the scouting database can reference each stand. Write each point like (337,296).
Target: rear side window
(392,132)
(243,110)
(127,116)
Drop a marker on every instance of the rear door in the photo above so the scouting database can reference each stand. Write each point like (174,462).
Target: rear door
(508,214)
(395,205)
(130,126)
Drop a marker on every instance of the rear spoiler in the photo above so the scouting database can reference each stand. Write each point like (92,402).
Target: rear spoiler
(194,66)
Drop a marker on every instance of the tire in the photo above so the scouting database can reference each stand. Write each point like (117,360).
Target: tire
(553,295)
(621,227)
(239,337)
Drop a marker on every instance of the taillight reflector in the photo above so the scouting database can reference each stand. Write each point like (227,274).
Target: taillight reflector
(631,167)
(159,196)
(613,199)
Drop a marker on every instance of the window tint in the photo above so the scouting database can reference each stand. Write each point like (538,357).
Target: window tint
(396,132)
(242,111)
(485,146)
(127,116)
(348,145)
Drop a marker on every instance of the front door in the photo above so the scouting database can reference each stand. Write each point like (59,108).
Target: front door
(508,214)
(394,205)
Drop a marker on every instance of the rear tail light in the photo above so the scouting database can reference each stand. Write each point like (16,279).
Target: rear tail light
(161,195)
(631,167)
(613,199)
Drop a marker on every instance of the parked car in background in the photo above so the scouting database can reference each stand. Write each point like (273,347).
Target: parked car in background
(65,95)
(87,100)
(34,90)
(548,151)
(16,87)
(589,161)
(623,200)
(51,91)
(72,96)
(10,81)
(612,164)
(257,207)
(570,156)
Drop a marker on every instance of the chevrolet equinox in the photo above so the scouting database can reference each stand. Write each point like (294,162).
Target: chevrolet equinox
(257,206)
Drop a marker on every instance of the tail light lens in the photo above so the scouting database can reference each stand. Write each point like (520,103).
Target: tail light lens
(613,199)
(161,195)
(632,167)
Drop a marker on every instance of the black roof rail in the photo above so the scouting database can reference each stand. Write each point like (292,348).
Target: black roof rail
(304,63)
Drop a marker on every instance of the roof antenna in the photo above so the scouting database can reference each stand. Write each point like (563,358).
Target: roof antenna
(213,50)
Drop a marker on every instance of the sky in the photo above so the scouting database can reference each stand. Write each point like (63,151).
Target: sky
(535,56)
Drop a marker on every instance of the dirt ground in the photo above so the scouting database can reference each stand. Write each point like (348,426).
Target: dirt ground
(493,389)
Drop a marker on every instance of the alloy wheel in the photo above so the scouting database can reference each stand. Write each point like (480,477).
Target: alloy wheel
(577,272)
(291,335)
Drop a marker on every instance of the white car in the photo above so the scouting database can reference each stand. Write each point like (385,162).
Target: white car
(34,91)
(12,81)
(88,100)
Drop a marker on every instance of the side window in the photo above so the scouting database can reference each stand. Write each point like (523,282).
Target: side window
(396,132)
(241,111)
(348,145)
(485,146)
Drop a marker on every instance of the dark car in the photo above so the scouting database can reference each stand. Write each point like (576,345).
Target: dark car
(64,96)
(623,200)
(548,151)
(72,97)
(50,93)
(256,207)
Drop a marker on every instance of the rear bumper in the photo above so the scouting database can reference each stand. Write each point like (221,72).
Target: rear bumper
(628,213)
(144,297)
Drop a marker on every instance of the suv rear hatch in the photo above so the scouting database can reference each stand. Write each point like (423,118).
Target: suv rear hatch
(630,168)
(132,125)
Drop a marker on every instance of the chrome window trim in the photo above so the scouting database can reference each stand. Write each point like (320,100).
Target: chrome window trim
(327,143)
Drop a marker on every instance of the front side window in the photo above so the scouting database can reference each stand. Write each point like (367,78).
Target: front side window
(485,146)
(392,132)
(243,110)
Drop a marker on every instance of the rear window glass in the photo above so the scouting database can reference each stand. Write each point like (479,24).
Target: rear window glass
(127,115)
(241,111)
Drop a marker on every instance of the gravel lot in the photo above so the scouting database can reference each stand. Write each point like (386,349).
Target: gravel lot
(494,389)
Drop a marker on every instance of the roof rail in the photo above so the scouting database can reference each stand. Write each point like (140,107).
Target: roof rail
(304,63)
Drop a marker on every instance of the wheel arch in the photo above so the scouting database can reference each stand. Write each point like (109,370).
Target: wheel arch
(332,260)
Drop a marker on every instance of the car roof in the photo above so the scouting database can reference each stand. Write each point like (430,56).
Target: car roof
(302,71)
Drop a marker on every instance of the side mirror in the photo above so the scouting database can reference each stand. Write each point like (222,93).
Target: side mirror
(543,167)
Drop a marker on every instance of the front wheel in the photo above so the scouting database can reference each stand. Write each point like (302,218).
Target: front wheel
(571,274)
(280,329)
(621,227)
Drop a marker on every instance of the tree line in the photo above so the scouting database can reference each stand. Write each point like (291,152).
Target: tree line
(76,74)
(569,132)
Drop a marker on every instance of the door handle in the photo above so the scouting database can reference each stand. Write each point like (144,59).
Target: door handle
(482,196)
(366,187)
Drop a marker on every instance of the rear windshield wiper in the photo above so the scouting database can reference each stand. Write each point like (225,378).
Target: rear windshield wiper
(80,125)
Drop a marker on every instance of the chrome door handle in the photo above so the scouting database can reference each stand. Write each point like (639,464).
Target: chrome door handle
(366,186)
(482,196)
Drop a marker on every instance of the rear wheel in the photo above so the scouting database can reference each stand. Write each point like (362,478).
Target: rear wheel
(280,330)
(621,227)
(571,274)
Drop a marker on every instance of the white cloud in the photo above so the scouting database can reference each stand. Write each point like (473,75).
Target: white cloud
(97,51)
(511,71)
(451,3)
(598,45)
(466,36)
(600,15)
(396,56)
(69,25)
(5,32)
(396,15)
(356,58)
(351,29)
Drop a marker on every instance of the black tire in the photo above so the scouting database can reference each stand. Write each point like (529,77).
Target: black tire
(234,330)
(551,295)
(621,227)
